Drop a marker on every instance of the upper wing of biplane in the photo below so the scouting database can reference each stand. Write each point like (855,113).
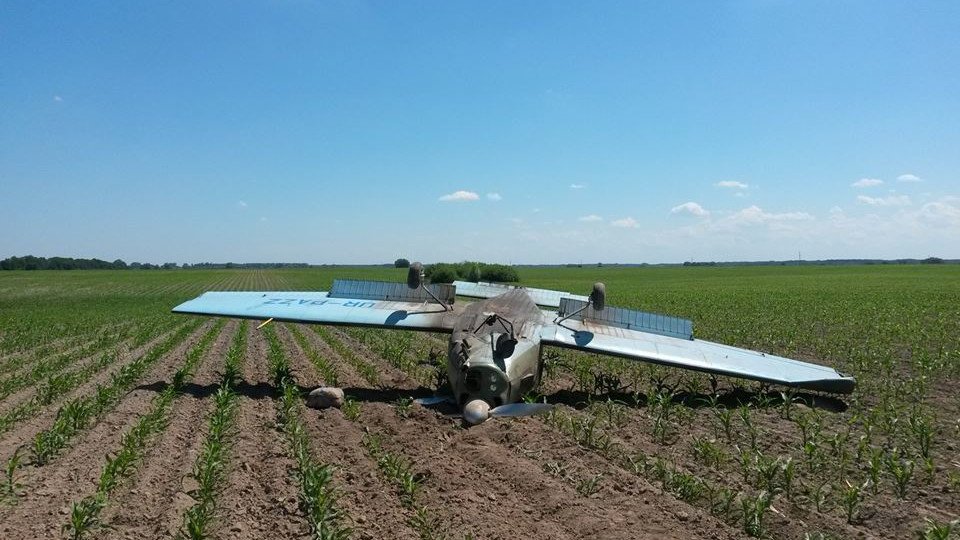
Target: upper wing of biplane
(669,341)
(348,303)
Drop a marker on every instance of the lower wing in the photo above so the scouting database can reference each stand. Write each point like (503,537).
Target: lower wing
(696,355)
(541,297)
(320,308)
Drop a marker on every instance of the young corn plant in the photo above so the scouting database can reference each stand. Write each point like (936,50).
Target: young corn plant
(351,408)
(319,496)
(403,406)
(79,413)
(939,531)
(852,499)
(590,485)
(754,510)
(10,488)
(900,471)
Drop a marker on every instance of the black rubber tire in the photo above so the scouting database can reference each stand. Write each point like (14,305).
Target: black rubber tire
(414,275)
(599,296)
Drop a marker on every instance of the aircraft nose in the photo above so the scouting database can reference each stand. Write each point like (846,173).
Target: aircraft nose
(476,412)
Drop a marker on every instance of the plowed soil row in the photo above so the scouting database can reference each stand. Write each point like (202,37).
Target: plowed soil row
(487,481)
(43,507)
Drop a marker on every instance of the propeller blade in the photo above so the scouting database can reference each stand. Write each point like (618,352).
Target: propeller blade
(520,409)
(432,400)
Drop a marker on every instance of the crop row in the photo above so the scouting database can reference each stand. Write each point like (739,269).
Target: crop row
(79,413)
(328,371)
(55,387)
(363,368)
(318,494)
(85,514)
(210,467)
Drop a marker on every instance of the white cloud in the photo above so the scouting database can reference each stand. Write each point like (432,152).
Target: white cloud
(494,196)
(755,215)
(909,178)
(893,200)
(691,208)
(577,186)
(263,218)
(242,204)
(732,184)
(58,99)
(460,196)
(625,223)
(867,182)
(591,217)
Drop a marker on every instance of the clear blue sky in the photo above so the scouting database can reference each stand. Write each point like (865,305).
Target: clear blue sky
(330,132)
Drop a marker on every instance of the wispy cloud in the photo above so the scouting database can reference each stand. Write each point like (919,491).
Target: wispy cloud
(625,223)
(494,196)
(242,204)
(591,217)
(732,184)
(893,200)
(263,218)
(690,208)
(577,186)
(58,99)
(909,178)
(460,196)
(867,182)
(755,215)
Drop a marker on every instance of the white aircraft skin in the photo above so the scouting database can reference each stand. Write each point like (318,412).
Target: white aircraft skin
(494,353)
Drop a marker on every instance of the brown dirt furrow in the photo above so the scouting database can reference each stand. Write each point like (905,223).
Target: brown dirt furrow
(369,501)
(27,430)
(70,342)
(260,498)
(346,372)
(26,394)
(152,504)
(45,507)
(501,463)
(30,359)
(390,377)
(468,496)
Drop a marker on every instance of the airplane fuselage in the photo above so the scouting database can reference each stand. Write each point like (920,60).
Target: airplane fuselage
(494,352)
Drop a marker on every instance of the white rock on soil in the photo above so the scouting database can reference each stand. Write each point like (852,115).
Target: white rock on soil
(325,397)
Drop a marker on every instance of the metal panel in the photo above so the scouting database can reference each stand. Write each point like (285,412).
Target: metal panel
(541,297)
(698,355)
(653,323)
(318,307)
(386,290)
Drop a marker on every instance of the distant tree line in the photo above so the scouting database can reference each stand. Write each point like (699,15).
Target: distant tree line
(30,262)
(822,262)
(470,271)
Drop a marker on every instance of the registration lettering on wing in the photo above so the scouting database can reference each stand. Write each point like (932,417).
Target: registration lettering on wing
(318,302)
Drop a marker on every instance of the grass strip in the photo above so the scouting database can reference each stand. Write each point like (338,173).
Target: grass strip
(210,467)
(85,514)
(318,494)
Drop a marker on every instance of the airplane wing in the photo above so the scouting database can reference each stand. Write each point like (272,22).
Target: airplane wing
(322,308)
(674,349)
(541,297)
